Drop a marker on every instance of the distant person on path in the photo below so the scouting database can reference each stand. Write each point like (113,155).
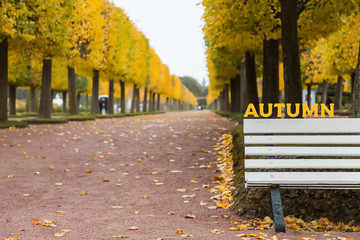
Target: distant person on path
(103,104)
(328,102)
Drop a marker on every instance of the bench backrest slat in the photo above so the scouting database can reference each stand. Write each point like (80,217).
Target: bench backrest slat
(303,139)
(303,151)
(338,125)
(304,177)
(302,163)
(317,180)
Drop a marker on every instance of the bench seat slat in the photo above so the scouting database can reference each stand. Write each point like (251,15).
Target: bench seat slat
(303,139)
(303,178)
(335,125)
(302,163)
(303,151)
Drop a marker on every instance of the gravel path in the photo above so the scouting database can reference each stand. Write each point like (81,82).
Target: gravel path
(100,179)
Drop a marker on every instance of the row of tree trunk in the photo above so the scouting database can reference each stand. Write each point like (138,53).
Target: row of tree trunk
(74,98)
(243,87)
(45,108)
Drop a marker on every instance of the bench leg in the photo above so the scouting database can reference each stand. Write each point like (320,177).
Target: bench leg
(276,209)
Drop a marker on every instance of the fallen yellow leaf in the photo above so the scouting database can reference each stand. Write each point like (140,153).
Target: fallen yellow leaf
(242,226)
(48,223)
(241,235)
(133,228)
(59,234)
(179,231)
(36,221)
(216,231)
(14,238)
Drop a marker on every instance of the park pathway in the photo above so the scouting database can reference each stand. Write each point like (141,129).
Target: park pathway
(100,178)
(121,177)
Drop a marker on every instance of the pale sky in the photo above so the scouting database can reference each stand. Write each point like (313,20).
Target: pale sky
(174,29)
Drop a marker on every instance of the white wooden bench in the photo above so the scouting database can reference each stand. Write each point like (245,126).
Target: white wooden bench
(327,147)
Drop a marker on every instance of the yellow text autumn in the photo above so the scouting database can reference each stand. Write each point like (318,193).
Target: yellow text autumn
(278,108)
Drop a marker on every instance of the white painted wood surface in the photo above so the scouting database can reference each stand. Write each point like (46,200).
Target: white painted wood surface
(303,151)
(313,125)
(302,178)
(302,163)
(303,139)
(311,180)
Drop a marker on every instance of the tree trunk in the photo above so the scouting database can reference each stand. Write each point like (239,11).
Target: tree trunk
(324,91)
(338,93)
(145,100)
(45,95)
(150,100)
(353,75)
(64,102)
(73,105)
(222,100)
(251,79)
(308,95)
(227,97)
(235,93)
(270,84)
(153,102)
(95,93)
(3,79)
(32,100)
(132,108)
(244,99)
(158,102)
(137,100)
(167,103)
(290,49)
(12,101)
(122,91)
(355,107)
(52,98)
(111,97)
